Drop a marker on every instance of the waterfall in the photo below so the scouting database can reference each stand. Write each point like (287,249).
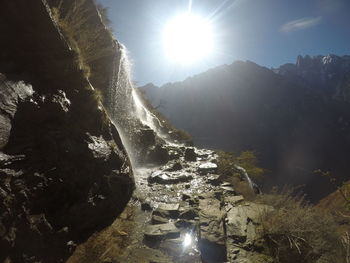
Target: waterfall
(144,115)
(126,107)
(252,185)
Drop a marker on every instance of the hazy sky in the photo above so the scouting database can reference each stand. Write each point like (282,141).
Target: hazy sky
(268,32)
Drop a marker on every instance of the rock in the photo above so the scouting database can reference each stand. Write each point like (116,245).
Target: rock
(62,166)
(208,167)
(226,184)
(174,167)
(211,231)
(190,155)
(167,210)
(156,219)
(228,190)
(161,231)
(188,214)
(184,223)
(158,155)
(169,207)
(185,197)
(99,148)
(240,220)
(214,179)
(145,206)
(147,137)
(12,93)
(233,200)
(240,255)
(160,177)
(145,255)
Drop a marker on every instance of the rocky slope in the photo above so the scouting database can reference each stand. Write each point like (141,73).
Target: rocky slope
(182,212)
(296,117)
(64,172)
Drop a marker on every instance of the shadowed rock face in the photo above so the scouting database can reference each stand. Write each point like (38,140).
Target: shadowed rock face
(64,172)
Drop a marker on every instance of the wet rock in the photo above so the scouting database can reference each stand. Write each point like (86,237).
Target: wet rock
(174,167)
(214,179)
(185,197)
(61,165)
(228,190)
(184,223)
(158,155)
(145,206)
(160,177)
(188,214)
(12,93)
(208,167)
(167,210)
(156,219)
(6,159)
(211,228)
(99,148)
(173,246)
(169,207)
(147,137)
(190,155)
(226,184)
(161,231)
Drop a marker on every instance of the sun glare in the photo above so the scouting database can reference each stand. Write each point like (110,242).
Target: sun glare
(187,38)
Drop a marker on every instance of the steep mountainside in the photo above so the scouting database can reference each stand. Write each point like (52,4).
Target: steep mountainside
(296,117)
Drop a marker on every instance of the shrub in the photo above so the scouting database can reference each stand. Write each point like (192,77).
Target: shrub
(247,159)
(296,231)
(249,162)
(227,170)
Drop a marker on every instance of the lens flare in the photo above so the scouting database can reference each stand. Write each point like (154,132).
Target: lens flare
(187,240)
(187,38)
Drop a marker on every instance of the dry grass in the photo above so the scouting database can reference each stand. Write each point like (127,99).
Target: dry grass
(86,38)
(296,231)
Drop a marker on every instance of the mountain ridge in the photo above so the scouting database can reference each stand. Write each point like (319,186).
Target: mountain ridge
(293,118)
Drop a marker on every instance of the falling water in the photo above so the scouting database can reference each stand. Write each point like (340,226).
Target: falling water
(144,115)
(247,178)
(126,107)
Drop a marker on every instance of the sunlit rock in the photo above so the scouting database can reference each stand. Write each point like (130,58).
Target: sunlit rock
(160,231)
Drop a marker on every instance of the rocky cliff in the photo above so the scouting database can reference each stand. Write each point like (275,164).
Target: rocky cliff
(64,171)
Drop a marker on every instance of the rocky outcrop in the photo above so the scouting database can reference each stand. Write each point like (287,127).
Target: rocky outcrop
(64,172)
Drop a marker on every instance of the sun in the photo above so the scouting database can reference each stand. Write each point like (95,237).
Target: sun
(187,38)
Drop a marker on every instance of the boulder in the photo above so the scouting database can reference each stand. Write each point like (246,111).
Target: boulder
(190,155)
(208,167)
(158,232)
(160,177)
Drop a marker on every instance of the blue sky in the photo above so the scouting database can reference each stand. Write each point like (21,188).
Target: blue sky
(268,32)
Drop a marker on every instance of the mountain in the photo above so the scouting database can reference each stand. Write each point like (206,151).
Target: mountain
(296,117)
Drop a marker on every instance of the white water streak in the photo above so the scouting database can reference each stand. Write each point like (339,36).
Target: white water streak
(250,182)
